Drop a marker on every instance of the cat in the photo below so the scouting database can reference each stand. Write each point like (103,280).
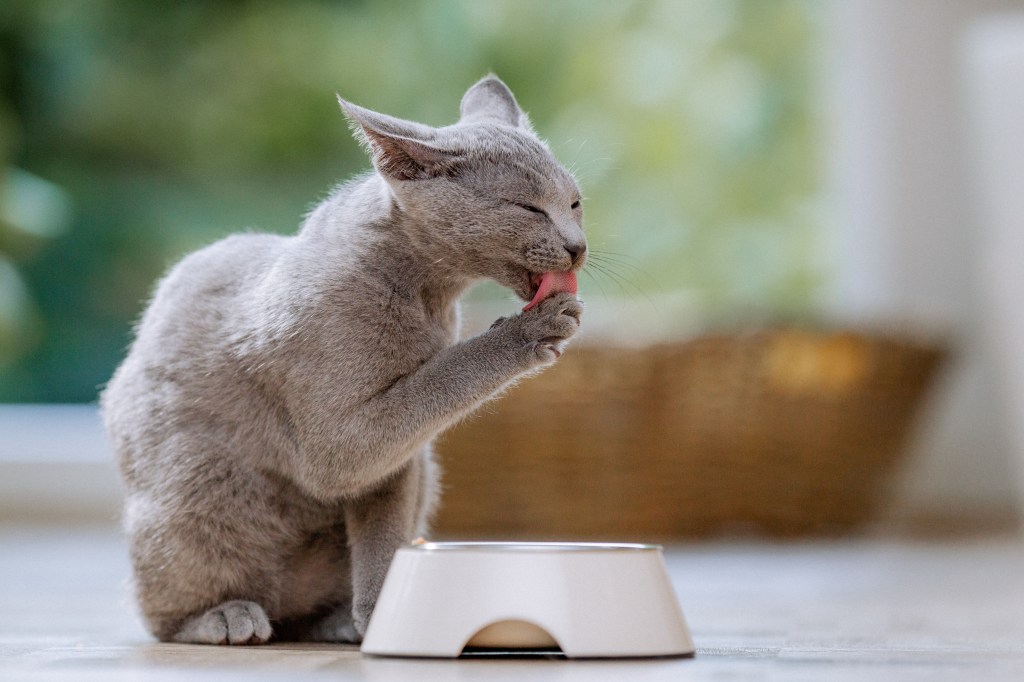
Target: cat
(273,417)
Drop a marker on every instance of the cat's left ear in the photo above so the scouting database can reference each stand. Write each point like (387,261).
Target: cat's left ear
(401,150)
(489,98)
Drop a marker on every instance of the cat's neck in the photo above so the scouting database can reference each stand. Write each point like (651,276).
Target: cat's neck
(362,216)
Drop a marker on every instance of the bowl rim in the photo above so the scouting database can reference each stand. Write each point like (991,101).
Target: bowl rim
(531,546)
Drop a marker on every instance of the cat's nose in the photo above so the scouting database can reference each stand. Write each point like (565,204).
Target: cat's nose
(576,252)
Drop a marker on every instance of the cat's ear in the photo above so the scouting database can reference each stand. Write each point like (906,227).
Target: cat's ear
(490,99)
(401,150)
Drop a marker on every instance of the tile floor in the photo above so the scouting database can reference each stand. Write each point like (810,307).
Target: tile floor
(851,610)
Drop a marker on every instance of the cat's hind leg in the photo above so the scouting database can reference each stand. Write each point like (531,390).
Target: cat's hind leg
(317,592)
(233,622)
(206,556)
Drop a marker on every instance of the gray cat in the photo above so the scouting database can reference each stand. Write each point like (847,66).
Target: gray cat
(274,416)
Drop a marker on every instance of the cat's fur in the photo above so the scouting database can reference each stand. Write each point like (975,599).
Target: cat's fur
(273,418)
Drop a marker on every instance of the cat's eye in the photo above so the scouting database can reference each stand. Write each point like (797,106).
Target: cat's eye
(532,209)
(575,205)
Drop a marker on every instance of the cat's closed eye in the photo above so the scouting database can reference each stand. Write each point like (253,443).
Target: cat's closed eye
(575,205)
(531,208)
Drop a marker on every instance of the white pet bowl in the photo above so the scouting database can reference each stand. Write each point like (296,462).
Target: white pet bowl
(441,599)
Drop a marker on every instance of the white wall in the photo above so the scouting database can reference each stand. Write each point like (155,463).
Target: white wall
(907,231)
(994,75)
(56,465)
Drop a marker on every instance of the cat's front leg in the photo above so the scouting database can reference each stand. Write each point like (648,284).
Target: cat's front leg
(380,435)
(378,523)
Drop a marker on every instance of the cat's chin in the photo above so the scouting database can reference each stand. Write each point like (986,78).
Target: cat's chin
(523,282)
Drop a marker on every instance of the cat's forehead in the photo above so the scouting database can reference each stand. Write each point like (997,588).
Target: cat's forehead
(503,148)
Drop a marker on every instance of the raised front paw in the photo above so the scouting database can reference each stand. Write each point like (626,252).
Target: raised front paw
(542,332)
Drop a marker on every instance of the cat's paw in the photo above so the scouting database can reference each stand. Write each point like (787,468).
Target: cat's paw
(337,626)
(361,615)
(233,622)
(542,332)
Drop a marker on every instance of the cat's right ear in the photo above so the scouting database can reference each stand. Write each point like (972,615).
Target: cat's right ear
(490,99)
(401,150)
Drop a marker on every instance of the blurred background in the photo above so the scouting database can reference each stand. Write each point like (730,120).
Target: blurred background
(801,312)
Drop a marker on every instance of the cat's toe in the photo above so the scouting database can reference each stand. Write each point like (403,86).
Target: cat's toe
(233,622)
(563,303)
(546,351)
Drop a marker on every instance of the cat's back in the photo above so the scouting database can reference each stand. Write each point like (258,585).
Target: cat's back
(191,318)
(202,290)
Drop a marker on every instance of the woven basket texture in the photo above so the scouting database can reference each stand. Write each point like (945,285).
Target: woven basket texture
(784,432)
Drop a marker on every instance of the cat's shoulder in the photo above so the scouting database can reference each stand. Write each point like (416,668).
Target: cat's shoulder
(234,255)
(251,246)
(226,267)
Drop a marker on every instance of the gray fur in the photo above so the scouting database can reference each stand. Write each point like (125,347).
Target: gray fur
(274,416)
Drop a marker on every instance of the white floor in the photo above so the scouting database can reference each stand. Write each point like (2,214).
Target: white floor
(871,610)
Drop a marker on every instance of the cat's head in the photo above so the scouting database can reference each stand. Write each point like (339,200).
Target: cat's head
(485,194)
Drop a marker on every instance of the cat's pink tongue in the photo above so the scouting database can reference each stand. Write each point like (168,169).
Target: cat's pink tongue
(552,283)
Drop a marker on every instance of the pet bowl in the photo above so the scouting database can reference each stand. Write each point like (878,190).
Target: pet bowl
(588,600)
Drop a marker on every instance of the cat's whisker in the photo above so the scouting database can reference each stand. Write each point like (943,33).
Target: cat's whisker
(612,262)
(596,281)
(611,276)
(612,269)
(625,284)
(618,254)
(622,260)
(578,152)
(605,258)
(615,258)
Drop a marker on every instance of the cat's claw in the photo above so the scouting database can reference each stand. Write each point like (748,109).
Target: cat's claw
(547,351)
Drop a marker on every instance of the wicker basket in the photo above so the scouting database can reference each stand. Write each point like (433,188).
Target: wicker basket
(784,432)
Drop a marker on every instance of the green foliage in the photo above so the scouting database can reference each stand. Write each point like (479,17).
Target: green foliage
(144,130)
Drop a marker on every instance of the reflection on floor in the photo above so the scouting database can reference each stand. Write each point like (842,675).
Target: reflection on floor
(875,610)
